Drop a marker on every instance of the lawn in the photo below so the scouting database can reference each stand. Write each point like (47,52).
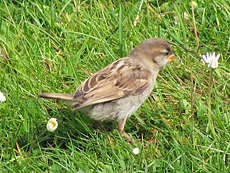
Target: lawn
(53,46)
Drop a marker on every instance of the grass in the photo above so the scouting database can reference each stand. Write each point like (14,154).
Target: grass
(53,46)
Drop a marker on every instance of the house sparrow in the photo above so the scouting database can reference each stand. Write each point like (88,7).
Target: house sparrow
(118,90)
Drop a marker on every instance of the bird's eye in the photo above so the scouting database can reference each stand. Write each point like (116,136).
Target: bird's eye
(167,53)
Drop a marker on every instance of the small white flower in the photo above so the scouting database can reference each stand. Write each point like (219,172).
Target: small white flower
(136,151)
(37,79)
(211,59)
(2,97)
(52,124)
(136,20)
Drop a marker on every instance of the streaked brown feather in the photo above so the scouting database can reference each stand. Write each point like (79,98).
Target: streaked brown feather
(114,81)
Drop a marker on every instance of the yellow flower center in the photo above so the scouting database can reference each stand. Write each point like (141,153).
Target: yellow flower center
(53,125)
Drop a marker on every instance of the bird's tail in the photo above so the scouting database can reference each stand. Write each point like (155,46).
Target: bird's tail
(56,96)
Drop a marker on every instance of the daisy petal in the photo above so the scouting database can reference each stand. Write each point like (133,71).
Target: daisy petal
(211,59)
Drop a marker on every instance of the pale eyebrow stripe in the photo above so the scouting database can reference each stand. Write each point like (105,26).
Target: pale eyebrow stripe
(164,50)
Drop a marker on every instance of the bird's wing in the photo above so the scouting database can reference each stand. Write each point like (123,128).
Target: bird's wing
(119,79)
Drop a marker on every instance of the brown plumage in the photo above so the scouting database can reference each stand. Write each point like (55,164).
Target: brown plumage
(117,91)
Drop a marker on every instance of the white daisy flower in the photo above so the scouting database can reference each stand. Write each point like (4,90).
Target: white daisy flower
(2,97)
(52,124)
(136,151)
(211,59)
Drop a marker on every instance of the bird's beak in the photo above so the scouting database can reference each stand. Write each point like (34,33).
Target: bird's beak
(172,58)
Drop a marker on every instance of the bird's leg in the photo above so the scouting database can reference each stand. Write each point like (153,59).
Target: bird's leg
(121,125)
